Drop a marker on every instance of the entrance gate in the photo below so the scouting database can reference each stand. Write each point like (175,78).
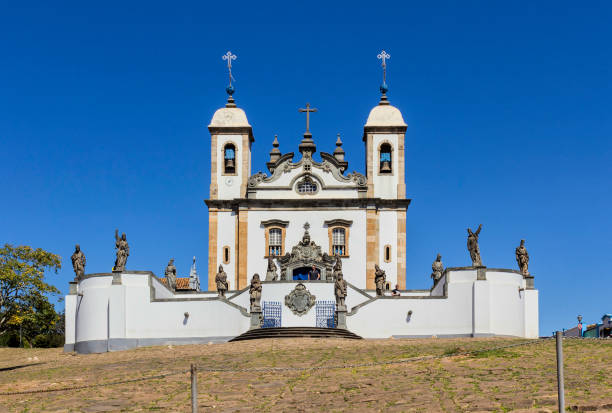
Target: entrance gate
(326,314)
(271,311)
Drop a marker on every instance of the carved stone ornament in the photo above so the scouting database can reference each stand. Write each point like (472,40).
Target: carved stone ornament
(256,179)
(300,300)
(305,254)
(358,178)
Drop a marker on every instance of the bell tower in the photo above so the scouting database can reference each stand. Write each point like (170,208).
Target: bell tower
(383,135)
(231,138)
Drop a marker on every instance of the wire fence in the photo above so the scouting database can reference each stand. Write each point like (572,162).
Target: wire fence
(281,369)
(299,369)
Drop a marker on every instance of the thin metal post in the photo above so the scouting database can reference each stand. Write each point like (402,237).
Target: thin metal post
(560,386)
(194,389)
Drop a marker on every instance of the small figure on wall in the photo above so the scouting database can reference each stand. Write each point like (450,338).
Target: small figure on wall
(380,278)
(271,272)
(438,268)
(340,291)
(522,258)
(221,280)
(171,275)
(255,293)
(473,248)
(78,262)
(123,251)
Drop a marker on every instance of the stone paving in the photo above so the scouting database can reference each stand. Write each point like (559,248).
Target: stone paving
(518,379)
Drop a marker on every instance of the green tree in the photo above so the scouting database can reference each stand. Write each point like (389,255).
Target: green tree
(23,290)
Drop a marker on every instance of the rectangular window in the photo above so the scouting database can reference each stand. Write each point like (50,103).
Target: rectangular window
(338,241)
(276,242)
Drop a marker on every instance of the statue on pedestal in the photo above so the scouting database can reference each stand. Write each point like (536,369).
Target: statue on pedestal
(78,262)
(123,251)
(438,268)
(340,291)
(271,273)
(221,280)
(473,248)
(380,278)
(522,258)
(337,266)
(255,293)
(171,275)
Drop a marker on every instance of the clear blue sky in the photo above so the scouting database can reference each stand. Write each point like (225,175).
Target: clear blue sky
(104,108)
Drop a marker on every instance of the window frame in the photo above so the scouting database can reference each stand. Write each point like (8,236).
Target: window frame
(391,163)
(386,248)
(223,168)
(226,251)
(339,224)
(270,225)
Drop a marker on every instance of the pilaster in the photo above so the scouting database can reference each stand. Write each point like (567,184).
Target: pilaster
(242,247)
(401,249)
(212,248)
(372,250)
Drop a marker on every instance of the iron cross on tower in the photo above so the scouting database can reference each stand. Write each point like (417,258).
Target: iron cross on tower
(384,56)
(229,57)
(308,110)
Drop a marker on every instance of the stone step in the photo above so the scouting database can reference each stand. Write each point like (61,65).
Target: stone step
(296,332)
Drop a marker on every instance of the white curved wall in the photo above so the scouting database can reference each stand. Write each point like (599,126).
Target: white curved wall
(138,310)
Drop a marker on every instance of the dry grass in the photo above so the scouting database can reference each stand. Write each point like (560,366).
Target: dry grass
(516,379)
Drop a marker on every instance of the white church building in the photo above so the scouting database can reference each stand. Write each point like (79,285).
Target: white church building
(306,211)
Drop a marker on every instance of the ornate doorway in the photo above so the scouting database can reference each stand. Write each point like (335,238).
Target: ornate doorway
(296,264)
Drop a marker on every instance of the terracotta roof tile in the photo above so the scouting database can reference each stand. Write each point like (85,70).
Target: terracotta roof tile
(181,283)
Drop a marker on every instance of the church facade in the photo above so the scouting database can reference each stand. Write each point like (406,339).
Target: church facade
(359,218)
(299,226)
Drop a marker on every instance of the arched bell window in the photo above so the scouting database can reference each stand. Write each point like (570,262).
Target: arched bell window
(386,163)
(229,158)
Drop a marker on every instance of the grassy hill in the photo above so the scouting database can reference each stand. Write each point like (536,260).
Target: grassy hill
(520,378)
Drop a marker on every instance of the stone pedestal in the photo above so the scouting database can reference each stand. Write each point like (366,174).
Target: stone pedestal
(117,277)
(73,288)
(341,317)
(529,285)
(481,272)
(256,319)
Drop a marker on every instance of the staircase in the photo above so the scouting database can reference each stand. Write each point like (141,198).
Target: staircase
(292,332)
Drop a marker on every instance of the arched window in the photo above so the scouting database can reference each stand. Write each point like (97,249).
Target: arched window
(275,243)
(226,255)
(386,162)
(387,253)
(339,241)
(307,186)
(229,158)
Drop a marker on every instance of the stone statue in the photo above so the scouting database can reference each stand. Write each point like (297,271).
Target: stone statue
(522,258)
(380,278)
(255,293)
(171,275)
(337,265)
(78,262)
(340,290)
(123,251)
(473,248)
(221,280)
(271,273)
(437,269)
